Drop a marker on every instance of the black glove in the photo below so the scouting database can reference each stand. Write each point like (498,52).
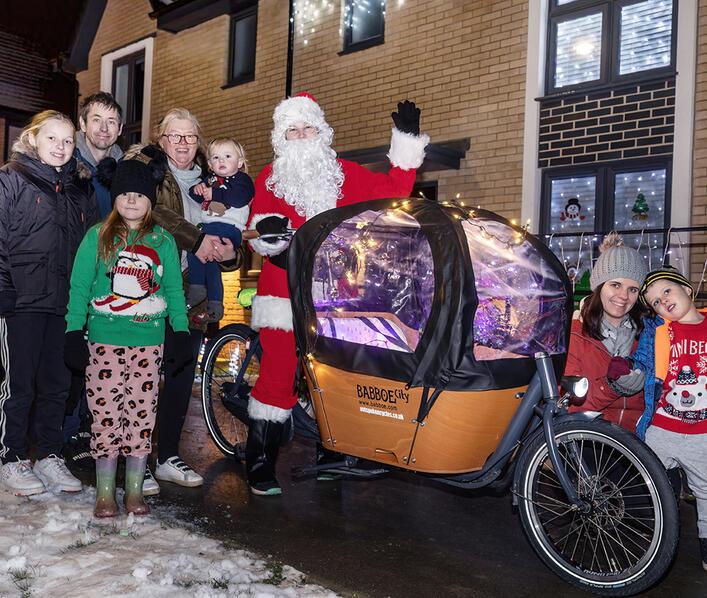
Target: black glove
(183,353)
(280,260)
(407,118)
(76,354)
(272,225)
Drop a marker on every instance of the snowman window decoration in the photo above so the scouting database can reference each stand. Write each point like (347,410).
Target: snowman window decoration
(572,211)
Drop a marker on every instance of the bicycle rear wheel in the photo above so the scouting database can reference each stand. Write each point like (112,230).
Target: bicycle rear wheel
(221,399)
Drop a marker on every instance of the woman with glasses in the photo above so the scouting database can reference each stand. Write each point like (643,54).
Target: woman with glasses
(178,144)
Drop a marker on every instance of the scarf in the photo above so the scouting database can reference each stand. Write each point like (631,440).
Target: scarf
(186,179)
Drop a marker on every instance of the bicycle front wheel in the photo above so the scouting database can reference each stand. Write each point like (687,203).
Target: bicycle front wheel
(222,401)
(627,540)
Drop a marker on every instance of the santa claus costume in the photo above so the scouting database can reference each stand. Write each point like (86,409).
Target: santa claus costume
(305,179)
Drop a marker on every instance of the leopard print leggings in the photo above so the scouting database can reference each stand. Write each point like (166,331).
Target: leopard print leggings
(121,389)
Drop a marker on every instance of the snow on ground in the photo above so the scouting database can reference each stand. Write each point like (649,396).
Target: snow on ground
(52,546)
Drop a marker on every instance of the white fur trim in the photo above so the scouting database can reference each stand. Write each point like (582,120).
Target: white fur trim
(258,410)
(297,109)
(407,151)
(271,312)
(262,247)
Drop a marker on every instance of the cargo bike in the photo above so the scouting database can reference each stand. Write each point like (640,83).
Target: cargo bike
(431,339)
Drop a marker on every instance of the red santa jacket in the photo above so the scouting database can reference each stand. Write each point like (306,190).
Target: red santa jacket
(271,307)
(590,358)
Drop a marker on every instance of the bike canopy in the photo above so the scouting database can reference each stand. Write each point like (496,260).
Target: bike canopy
(436,295)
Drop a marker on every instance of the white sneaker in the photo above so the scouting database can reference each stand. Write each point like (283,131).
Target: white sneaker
(177,471)
(17,477)
(53,472)
(150,487)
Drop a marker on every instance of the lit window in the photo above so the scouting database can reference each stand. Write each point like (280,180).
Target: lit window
(646,36)
(579,203)
(364,24)
(594,42)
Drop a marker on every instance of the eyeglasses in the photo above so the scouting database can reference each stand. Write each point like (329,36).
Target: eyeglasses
(306,131)
(177,138)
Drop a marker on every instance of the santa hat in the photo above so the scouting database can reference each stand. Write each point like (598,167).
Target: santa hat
(146,254)
(686,377)
(300,108)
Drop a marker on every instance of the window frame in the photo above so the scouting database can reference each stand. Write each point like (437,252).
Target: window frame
(605,173)
(145,44)
(130,125)
(348,45)
(239,16)
(610,44)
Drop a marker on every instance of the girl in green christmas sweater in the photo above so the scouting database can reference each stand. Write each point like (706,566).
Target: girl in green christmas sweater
(125,281)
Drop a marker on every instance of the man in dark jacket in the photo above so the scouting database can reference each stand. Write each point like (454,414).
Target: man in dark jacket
(101,122)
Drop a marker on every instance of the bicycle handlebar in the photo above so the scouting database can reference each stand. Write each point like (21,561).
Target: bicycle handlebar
(249,235)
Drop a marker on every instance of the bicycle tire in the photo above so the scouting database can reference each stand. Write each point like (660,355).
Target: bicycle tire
(633,526)
(224,356)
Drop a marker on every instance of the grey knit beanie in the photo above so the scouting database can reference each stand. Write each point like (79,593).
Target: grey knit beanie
(617,261)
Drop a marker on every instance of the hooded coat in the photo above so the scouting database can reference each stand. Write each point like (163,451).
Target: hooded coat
(44,215)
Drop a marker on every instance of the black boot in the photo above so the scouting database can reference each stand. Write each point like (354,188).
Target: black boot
(261,455)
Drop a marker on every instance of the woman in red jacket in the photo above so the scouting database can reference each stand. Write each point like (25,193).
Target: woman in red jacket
(608,325)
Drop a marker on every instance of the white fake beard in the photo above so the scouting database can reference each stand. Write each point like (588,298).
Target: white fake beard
(306,175)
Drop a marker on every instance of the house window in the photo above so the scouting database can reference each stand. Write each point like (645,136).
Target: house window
(364,24)
(241,60)
(593,42)
(630,197)
(127,74)
(129,92)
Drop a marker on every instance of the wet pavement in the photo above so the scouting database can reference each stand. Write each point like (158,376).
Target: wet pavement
(397,536)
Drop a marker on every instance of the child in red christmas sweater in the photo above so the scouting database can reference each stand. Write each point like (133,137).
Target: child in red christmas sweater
(678,431)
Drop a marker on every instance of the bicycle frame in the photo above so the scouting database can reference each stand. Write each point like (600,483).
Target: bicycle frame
(540,406)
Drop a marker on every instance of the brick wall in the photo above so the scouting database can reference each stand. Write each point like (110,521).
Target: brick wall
(463,62)
(629,122)
(699,181)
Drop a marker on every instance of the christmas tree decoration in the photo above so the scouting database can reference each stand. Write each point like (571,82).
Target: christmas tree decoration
(640,208)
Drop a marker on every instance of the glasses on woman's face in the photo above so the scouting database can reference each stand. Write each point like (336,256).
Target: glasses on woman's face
(177,138)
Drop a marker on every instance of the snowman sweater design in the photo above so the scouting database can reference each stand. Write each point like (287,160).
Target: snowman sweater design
(126,302)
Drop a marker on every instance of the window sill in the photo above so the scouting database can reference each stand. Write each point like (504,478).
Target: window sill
(600,87)
(239,81)
(364,45)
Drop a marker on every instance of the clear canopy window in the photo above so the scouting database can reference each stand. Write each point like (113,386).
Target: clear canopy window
(522,301)
(373,281)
